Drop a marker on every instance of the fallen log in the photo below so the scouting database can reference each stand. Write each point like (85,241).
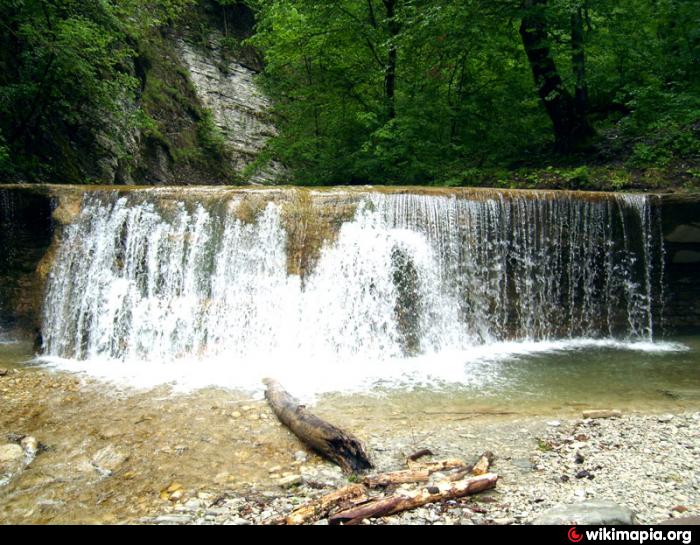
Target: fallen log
(321,507)
(397,477)
(411,500)
(331,442)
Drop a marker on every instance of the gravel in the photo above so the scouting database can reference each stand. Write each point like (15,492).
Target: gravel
(647,463)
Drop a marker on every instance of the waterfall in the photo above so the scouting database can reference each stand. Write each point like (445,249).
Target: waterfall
(143,278)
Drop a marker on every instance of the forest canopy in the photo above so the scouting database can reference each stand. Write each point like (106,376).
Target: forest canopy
(415,90)
(376,91)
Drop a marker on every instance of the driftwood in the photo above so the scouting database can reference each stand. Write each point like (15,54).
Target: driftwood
(481,467)
(322,506)
(399,502)
(419,454)
(398,477)
(338,446)
(440,465)
(418,472)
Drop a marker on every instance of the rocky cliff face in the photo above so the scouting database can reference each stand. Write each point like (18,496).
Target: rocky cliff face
(197,118)
(227,88)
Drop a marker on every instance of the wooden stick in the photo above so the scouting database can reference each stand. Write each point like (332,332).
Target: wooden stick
(398,477)
(410,500)
(481,467)
(338,446)
(440,465)
(321,507)
(419,454)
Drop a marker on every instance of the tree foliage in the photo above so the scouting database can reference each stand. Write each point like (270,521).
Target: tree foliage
(66,74)
(429,90)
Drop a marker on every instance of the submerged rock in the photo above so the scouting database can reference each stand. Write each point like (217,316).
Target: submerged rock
(11,458)
(30,445)
(108,460)
(596,513)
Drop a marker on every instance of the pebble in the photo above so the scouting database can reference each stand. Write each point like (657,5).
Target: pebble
(289,481)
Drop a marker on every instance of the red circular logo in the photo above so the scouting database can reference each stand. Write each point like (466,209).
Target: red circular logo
(573,535)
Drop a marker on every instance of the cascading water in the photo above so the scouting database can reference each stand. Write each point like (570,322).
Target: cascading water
(413,287)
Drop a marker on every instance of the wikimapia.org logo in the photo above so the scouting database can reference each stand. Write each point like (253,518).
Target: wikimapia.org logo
(637,536)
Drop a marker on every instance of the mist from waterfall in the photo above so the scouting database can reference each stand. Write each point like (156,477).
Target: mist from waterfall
(413,289)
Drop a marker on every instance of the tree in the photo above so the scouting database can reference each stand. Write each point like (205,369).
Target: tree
(569,114)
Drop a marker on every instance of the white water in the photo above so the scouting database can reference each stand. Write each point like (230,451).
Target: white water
(414,290)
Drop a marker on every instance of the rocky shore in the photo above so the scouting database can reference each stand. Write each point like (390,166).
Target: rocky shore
(631,469)
(211,457)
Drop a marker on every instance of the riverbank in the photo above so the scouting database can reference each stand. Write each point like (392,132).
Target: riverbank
(644,463)
(213,456)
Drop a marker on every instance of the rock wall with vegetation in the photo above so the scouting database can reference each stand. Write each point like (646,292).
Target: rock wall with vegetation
(131,93)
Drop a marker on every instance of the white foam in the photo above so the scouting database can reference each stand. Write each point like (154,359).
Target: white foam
(479,366)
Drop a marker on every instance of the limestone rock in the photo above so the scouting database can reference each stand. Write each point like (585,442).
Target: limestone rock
(240,109)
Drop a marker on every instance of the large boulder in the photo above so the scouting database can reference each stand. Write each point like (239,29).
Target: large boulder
(595,513)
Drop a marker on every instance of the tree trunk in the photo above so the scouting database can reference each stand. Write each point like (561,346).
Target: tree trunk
(338,446)
(578,62)
(390,75)
(572,131)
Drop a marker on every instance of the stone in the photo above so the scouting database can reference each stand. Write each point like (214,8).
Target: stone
(108,460)
(11,458)
(686,257)
(300,456)
(30,445)
(608,413)
(239,107)
(595,513)
(289,481)
(173,519)
(685,234)
(3,371)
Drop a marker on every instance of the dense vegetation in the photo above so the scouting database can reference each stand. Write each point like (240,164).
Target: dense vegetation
(517,92)
(416,91)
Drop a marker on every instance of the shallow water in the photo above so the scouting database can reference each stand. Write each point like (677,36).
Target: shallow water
(516,374)
(221,440)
